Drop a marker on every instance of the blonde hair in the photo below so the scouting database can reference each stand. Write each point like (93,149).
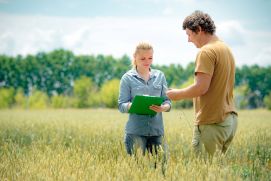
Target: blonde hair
(141,46)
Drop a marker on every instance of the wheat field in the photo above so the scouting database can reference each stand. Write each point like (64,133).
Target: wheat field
(73,144)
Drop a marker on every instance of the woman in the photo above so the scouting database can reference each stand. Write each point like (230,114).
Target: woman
(145,130)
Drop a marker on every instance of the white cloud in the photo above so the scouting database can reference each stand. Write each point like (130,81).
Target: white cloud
(118,36)
(232,32)
(168,11)
(264,56)
(8,43)
(249,47)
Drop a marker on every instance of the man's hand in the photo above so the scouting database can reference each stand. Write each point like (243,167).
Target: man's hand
(161,108)
(173,94)
(198,88)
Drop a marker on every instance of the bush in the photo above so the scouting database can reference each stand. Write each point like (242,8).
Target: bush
(109,93)
(95,100)
(20,99)
(60,101)
(83,88)
(267,101)
(38,100)
(6,97)
(187,103)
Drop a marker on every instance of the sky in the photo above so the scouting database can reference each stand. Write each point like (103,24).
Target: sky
(115,27)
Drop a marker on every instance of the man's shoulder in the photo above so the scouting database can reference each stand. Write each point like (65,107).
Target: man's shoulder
(214,45)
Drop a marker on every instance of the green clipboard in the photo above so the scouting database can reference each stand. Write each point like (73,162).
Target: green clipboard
(141,104)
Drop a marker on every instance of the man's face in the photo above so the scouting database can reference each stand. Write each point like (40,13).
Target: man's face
(193,37)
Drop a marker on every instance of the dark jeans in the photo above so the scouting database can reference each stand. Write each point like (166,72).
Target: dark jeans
(149,143)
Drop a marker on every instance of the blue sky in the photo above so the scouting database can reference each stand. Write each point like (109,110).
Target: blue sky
(114,27)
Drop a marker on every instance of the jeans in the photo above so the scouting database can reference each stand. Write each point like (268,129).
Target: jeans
(149,143)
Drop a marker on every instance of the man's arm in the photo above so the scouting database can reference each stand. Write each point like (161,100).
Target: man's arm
(199,88)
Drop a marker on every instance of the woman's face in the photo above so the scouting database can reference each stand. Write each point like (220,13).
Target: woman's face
(143,58)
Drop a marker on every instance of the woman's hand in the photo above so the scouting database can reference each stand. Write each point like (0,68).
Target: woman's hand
(161,108)
(129,105)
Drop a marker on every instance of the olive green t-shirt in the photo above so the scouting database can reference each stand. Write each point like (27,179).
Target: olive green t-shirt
(215,59)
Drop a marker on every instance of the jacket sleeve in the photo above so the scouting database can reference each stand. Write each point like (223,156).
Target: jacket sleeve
(164,90)
(124,94)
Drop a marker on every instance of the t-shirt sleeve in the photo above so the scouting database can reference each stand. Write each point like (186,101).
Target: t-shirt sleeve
(205,63)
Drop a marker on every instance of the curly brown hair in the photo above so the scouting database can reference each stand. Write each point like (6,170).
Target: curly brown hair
(199,19)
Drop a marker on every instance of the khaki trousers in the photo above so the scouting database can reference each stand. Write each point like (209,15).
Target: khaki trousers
(216,136)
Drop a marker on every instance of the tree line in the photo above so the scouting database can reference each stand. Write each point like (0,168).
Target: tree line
(61,79)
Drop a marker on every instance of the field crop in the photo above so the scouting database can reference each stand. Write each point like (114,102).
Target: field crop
(88,145)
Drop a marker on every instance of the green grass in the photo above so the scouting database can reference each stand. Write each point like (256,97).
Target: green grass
(88,145)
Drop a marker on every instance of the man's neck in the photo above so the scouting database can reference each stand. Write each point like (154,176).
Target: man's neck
(209,38)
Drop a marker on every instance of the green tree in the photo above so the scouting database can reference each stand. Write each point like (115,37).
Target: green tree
(258,80)
(55,75)
(240,96)
(30,73)
(104,70)
(121,66)
(83,65)
(10,72)
(55,72)
(173,74)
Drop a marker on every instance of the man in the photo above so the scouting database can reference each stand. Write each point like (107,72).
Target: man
(216,118)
